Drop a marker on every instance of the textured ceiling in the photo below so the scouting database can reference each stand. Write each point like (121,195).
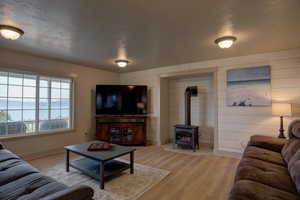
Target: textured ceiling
(149,33)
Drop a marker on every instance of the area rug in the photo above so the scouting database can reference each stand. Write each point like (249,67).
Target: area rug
(124,187)
(205,149)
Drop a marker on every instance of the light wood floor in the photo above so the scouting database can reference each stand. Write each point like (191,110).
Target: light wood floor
(204,177)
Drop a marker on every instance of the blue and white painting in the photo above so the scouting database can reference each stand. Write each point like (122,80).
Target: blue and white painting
(249,86)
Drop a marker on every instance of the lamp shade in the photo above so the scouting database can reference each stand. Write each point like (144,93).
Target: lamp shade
(282,109)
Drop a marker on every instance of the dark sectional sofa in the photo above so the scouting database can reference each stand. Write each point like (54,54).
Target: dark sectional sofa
(19,180)
(269,168)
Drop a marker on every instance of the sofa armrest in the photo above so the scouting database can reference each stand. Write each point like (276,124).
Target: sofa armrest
(78,192)
(267,142)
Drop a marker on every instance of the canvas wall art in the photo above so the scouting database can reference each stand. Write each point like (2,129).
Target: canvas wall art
(249,86)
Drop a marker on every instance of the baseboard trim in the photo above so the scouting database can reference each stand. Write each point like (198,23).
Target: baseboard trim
(42,154)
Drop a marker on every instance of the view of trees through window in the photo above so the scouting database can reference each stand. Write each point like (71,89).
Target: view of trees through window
(32,103)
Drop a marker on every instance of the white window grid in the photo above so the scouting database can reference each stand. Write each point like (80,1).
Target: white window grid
(37,98)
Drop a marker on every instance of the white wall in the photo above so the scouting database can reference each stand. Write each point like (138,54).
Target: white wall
(85,81)
(202,107)
(235,124)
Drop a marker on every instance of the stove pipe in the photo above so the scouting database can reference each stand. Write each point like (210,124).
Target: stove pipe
(189,92)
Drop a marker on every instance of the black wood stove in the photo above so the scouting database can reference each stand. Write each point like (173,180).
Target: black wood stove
(186,135)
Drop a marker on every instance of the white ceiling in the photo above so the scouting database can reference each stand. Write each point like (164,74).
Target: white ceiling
(150,33)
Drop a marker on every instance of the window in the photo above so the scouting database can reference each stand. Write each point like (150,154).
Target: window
(33,104)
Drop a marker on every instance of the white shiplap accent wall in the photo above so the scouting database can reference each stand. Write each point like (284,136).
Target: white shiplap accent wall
(202,108)
(235,125)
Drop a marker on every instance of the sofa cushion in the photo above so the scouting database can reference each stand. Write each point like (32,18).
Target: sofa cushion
(78,192)
(289,149)
(264,154)
(10,163)
(294,129)
(15,172)
(270,174)
(45,191)
(12,167)
(294,169)
(267,142)
(250,190)
(296,132)
(6,155)
(21,181)
(31,187)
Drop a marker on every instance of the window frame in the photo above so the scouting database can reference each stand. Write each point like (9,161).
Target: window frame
(37,132)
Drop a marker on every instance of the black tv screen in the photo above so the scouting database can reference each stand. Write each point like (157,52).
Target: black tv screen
(121,100)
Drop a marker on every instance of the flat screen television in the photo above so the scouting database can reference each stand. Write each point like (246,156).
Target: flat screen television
(121,100)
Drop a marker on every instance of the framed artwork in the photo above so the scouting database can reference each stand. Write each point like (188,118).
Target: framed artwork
(249,86)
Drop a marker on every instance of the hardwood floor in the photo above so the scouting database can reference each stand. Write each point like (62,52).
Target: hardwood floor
(204,177)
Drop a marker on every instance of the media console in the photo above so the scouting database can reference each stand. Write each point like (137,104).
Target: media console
(123,130)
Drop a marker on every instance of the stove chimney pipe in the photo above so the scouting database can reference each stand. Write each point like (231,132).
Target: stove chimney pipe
(189,92)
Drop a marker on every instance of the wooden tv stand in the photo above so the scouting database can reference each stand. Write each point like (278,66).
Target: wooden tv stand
(123,130)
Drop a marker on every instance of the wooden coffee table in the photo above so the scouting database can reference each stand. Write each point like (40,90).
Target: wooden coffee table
(99,164)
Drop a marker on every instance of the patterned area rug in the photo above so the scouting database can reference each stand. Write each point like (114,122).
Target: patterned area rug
(124,187)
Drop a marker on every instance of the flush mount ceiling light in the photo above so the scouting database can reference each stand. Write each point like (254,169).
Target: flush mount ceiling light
(225,42)
(122,63)
(10,32)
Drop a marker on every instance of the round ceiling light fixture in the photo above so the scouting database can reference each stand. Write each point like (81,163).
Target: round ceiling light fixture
(225,42)
(10,32)
(122,63)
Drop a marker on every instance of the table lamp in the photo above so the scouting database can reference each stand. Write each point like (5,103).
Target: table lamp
(282,110)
